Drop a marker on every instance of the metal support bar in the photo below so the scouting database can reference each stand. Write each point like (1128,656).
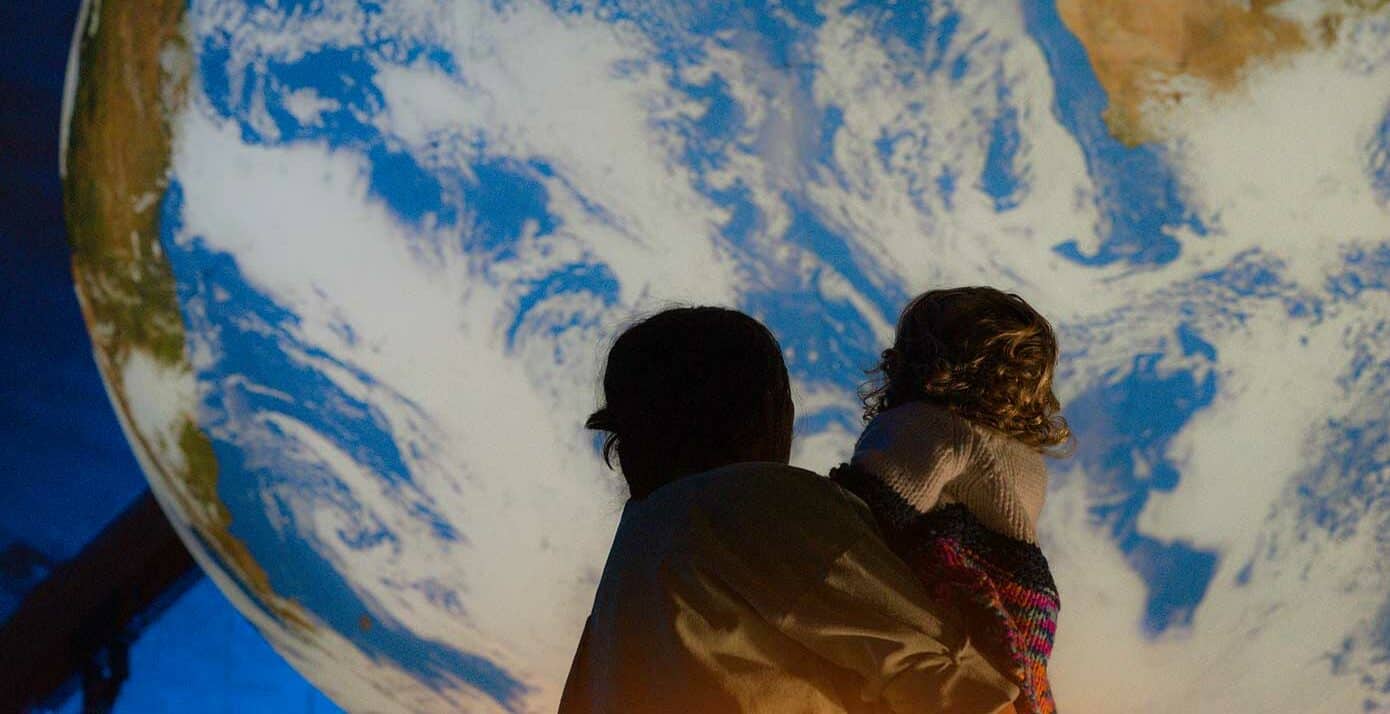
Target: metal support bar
(80,620)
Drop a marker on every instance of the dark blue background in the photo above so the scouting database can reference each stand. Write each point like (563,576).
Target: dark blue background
(65,468)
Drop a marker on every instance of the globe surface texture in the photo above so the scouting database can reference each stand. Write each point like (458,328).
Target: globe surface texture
(350,270)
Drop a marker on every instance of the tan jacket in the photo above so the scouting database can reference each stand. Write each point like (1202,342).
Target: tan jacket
(765,588)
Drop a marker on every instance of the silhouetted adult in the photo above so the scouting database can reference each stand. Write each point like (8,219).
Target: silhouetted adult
(738,583)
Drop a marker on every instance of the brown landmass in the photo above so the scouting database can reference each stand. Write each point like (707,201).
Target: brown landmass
(132,72)
(1136,47)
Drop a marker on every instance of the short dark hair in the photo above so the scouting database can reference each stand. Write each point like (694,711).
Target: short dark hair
(690,389)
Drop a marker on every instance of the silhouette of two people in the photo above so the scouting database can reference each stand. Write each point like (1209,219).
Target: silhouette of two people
(739,583)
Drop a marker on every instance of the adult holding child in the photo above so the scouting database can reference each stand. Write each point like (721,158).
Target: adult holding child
(735,582)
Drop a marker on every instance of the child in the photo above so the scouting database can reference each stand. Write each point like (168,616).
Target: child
(951,464)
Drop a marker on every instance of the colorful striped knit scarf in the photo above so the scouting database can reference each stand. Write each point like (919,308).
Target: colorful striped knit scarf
(1003,587)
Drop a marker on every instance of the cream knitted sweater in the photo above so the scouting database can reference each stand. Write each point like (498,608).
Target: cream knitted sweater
(932,457)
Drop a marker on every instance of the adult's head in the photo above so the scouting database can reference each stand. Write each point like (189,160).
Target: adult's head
(690,389)
(983,353)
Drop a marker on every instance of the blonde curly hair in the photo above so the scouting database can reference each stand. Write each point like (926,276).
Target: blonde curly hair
(984,354)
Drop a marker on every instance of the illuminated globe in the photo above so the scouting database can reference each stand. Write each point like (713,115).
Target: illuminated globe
(350,271)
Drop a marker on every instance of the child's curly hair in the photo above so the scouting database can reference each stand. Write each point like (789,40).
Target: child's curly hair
(984,354)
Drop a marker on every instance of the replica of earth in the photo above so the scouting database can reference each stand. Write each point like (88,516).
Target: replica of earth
(351,269)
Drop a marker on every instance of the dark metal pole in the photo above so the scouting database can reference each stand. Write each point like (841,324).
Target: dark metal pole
(81,619)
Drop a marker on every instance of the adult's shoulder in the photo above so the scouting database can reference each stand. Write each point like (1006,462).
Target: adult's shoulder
(771,530)
(775,494)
